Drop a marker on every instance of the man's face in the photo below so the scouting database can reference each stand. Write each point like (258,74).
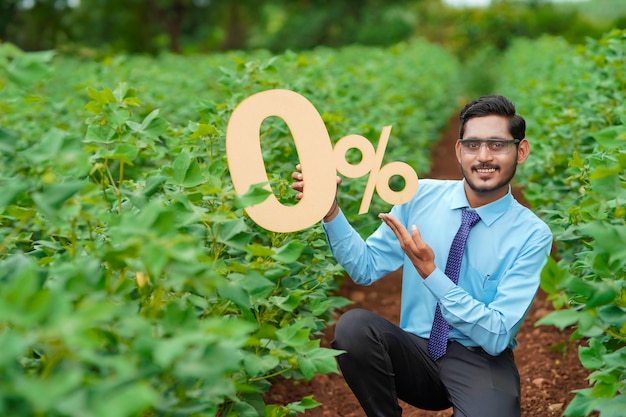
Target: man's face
(487,173)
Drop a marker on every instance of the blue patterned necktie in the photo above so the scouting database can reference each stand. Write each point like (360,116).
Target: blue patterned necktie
(438,342)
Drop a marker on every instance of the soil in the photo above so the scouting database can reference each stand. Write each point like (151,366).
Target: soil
(546,358)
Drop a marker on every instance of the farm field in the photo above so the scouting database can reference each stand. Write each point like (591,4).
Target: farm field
(134,284)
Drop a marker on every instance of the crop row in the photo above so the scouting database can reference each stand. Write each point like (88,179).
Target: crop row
(131,282)
(576,102)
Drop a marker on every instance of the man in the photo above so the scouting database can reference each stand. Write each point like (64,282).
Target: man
(465,292)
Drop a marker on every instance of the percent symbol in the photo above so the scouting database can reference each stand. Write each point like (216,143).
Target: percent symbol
(379,175)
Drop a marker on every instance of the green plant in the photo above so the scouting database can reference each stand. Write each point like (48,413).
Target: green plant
(131,281)
(577,181)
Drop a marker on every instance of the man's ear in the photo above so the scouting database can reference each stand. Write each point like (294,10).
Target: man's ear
(523,150)
(457,149)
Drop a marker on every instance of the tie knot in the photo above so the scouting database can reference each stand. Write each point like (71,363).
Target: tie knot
(469,217)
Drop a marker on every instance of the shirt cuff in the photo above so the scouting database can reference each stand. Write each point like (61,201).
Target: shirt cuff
(337,228)
(438,283)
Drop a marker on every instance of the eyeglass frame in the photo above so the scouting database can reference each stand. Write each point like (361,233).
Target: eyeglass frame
(508,142)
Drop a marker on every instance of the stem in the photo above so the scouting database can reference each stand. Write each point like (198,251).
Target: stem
(116,191)
(261,378)
(616,335)
(119,187)
(73,238)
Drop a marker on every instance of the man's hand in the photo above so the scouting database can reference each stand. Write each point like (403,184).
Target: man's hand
(298,185)
(420,254)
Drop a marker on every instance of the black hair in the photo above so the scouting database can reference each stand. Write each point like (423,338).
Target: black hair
(494,105)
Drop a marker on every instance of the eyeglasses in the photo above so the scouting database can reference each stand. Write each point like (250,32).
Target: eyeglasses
(494,146)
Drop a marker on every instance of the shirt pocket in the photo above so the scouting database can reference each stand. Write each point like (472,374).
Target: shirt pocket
(482,285)
(490,283)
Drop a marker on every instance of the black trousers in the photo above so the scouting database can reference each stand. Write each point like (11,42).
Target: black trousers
(383,363)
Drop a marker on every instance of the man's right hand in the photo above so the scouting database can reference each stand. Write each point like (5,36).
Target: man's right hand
(298,185)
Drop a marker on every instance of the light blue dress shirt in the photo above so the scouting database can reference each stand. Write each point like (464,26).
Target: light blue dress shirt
(500,271)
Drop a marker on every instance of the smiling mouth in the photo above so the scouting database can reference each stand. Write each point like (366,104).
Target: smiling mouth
(485,170)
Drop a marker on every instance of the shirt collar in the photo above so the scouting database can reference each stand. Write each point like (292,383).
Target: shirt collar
(488,213)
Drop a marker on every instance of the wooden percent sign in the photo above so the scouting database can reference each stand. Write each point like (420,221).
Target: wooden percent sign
(318,160)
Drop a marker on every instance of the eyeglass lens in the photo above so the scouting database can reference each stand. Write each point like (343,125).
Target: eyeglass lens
(494,146)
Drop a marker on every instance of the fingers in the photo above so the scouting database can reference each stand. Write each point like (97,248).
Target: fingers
(406,240)
(417,237)
(392,222)
(411,243)
(298,185)
(420,254)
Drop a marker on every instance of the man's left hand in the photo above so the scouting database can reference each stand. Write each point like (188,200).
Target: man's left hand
(420,254)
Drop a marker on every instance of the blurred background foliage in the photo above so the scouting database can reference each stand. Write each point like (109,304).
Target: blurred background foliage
(199,26)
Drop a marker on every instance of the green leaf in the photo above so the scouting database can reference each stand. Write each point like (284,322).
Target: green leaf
(306,403)
(181,166)
(44,393)
(256,284)
(125,400)
(202,129)
(591,357)
(123,152)
(578,286)
(243,409)
(28,68)
(588,325)
(118,117)
(233,291)
(273,410)
(553,276)
(14,344)
(99,133)
(256,194)
(187,171)
(612,407)
(320,306)
(101,97)
(152,126)
(289,252)
(605,386)
(153,184)
(576,161)
(318,360)
(560,319)
(582,404)
(611,238)
(294,335)
(601,173)
(49,144)
(611,137)
(324,359)
(154,256)
(616,359)
(8,140)
(53,196)
(11,190)
(260,365)
(603,295)
(289,302)
(259,250)
(231,228)
(613,315)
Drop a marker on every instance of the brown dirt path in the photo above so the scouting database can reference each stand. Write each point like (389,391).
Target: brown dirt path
(547,361)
